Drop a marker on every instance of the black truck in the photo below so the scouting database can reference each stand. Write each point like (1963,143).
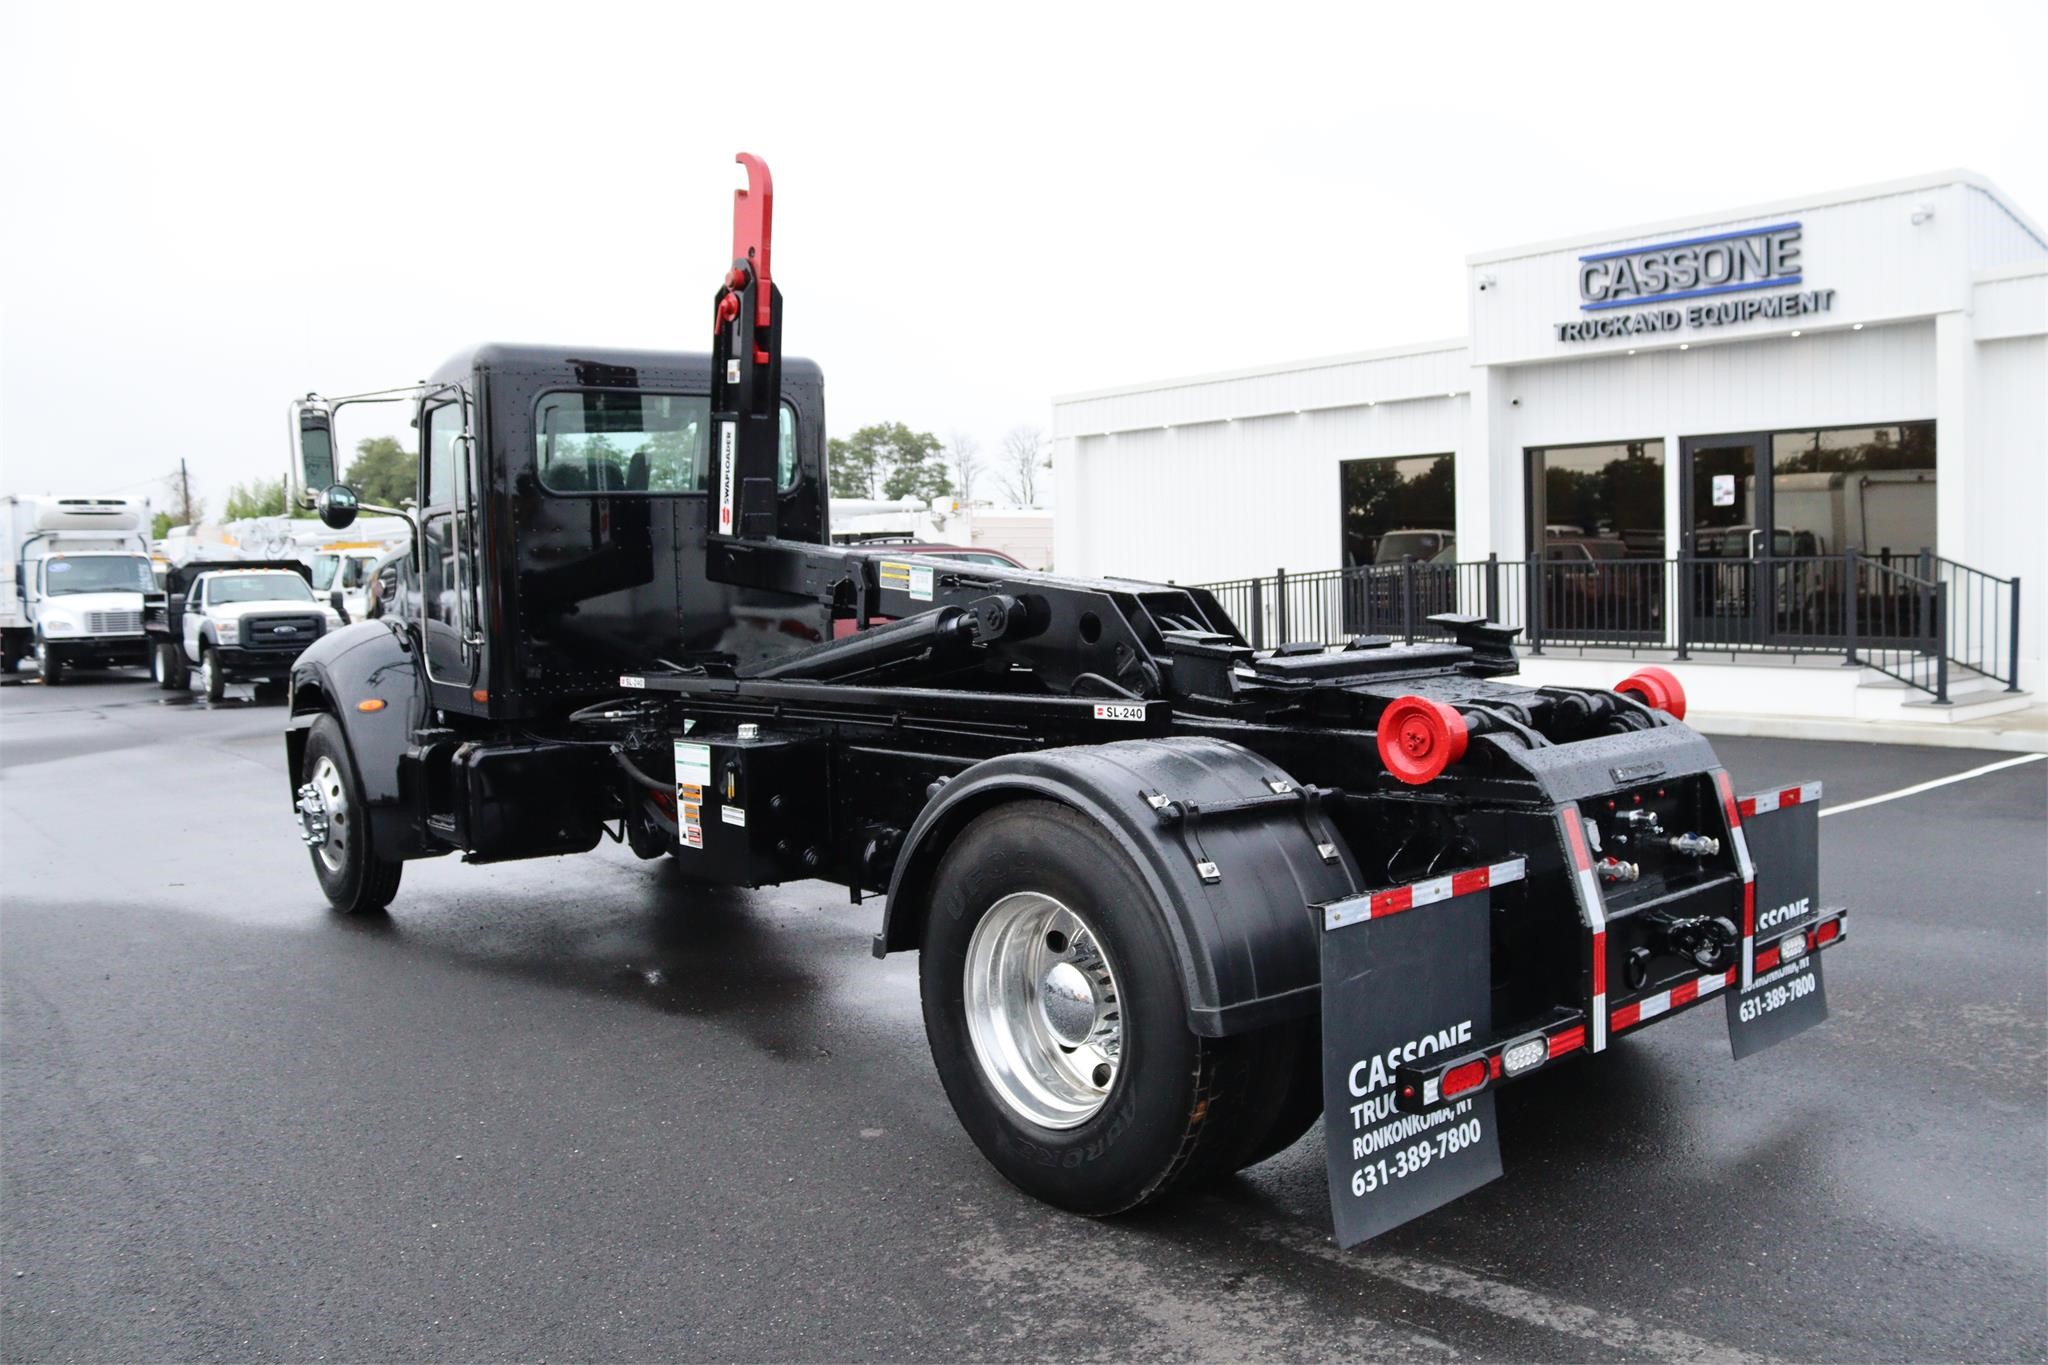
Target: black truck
(1174,897)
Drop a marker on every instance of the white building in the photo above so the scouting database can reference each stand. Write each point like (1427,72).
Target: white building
(1864,371)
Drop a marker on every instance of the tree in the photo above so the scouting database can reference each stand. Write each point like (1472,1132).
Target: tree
(852,472)
(160,526)
(1023,457)
(917,468)
(963,452)
(383,472)
(258,498)
(905,462)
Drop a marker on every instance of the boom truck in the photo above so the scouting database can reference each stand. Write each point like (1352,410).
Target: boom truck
(1173,897)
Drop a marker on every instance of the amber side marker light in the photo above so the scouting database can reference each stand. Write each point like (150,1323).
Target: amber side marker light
(373,704)
(480,694)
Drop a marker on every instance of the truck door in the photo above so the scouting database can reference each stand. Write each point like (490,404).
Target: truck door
(190,622)
(448,587)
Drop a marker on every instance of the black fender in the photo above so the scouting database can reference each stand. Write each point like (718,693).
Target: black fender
(1234,850)
(370,660)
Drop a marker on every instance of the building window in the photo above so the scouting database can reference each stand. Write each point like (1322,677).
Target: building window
(1867,488)
(1397,508)
(1598,502)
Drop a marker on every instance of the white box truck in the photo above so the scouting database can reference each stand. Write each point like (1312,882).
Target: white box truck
(73,571)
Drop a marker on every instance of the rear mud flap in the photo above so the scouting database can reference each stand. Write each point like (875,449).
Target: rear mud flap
(1785,994)
(1406,976)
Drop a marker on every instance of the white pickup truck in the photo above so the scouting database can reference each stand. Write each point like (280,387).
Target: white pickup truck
(235,623)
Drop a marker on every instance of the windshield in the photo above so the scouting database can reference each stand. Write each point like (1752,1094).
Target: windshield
(354,571)
(257,587)
(1397,545)
(101,573)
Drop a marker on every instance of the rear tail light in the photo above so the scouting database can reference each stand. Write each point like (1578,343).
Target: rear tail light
(1827,933)
(1465,1077)
(1657,688)
(1419,738)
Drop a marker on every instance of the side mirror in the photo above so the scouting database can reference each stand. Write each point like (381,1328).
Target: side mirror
(338,506)
(313,465)
(334,600)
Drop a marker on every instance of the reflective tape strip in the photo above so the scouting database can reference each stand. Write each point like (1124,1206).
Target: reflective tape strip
(1392,901)
(1592,910)
(1663,1002)
(1763,803)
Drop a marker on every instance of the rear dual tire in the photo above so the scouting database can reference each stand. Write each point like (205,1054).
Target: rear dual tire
(167,667)
(1058,1023)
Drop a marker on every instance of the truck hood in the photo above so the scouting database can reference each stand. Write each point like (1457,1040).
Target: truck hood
(79,603)
(235,611)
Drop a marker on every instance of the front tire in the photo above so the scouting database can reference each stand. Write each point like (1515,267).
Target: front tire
(53,668)
(213,680)
(336,825)
(1057,1021)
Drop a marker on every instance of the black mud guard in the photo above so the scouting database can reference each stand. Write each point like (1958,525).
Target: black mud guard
(1236,854)
(366,661)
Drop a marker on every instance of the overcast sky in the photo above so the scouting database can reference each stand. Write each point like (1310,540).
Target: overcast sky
(210,209)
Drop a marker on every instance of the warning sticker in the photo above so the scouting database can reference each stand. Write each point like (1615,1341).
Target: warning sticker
(920,582)
(733,815)
(727,459)
(693,775)
(895,575)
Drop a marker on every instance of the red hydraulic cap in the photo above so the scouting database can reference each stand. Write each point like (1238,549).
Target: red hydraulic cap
(1419,738)
(1657,688)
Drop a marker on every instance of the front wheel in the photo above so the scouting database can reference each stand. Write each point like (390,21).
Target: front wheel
(53,668)
(1056,1017)
(213,680)
(335,825)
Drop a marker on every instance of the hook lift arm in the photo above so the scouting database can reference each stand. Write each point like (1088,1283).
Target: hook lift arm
(746,375)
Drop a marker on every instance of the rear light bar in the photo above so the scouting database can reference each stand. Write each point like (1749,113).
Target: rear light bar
(1422,1086)
(1799,942)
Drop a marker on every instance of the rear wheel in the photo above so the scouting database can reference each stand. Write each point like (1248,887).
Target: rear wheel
(336,827)
(1054,1008)
(166,666)
(212,679)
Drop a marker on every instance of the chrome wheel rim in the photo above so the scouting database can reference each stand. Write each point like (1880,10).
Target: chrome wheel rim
(206,673)
(1043,1010)
(332,796)
(156,665)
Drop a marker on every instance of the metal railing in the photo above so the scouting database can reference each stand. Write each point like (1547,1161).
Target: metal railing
(1909,618)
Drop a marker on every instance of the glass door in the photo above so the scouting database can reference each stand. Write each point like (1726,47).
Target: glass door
(1725,569)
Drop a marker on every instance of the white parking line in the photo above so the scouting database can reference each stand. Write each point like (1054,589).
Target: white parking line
(1919,787)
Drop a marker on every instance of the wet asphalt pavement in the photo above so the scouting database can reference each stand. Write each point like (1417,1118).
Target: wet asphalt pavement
(572,1109)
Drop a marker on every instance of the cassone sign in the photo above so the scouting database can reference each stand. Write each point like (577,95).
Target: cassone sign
(1652,278)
